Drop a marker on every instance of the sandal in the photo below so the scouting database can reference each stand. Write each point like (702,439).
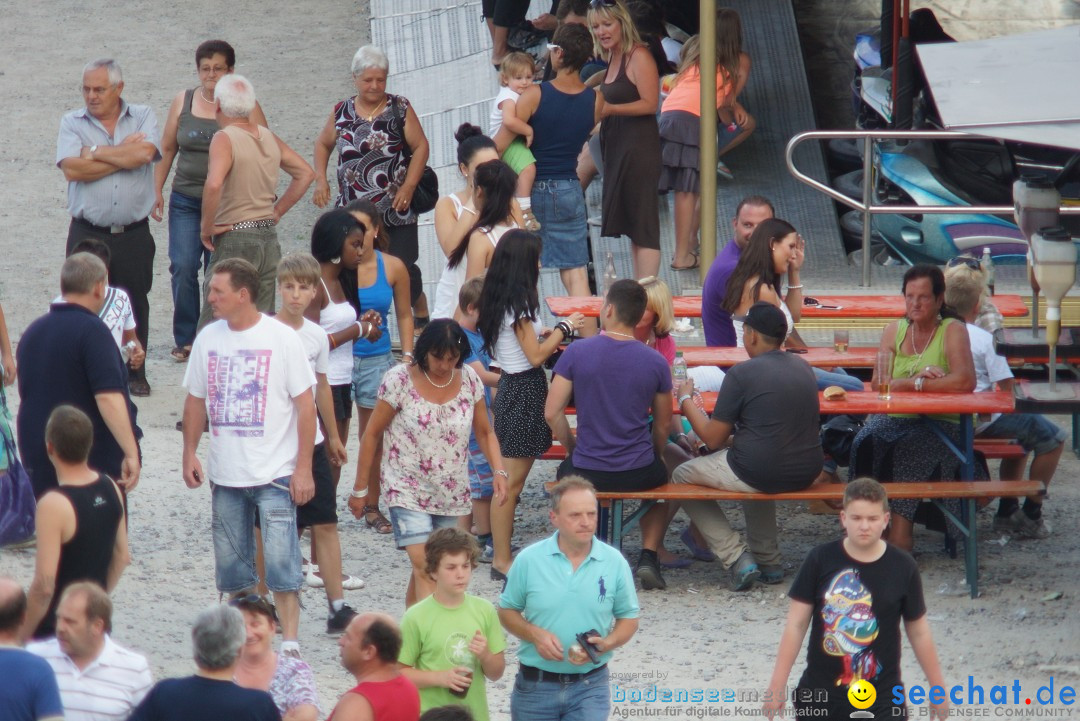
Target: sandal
(381,524)
(181,353)
(692,266)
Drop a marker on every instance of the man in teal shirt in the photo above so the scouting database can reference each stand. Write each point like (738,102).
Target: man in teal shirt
(558,588)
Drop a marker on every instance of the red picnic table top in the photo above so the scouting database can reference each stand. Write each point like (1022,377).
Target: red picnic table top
(851,306)
(867,402)
(858,357)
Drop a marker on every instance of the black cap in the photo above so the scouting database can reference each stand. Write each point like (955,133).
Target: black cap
(765,318)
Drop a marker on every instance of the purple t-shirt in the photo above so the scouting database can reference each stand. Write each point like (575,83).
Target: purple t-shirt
(615,382)
(719,330)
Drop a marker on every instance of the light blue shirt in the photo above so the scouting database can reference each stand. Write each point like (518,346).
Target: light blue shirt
(544,586)
(120,198)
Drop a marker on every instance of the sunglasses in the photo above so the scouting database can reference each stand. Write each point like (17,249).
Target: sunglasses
(254,602)
(972,263)
(597,4)
(553,46)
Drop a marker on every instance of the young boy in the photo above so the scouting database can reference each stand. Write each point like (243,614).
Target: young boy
(513,136)
(481,476)
(853,593)
(452,634)
(298,278)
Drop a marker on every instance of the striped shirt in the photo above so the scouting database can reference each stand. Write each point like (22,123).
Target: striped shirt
(120,198)
(108,689)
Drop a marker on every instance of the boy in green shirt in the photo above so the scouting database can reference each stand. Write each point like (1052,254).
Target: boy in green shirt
(451,634)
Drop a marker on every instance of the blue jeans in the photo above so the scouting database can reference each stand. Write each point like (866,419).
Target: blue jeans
(586,700)
(839,377)
(186,255)
(233,524)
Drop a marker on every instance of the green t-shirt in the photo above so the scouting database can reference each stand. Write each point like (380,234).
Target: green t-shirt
(436,638)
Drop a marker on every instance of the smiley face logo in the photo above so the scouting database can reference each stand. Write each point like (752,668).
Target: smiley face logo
(862,694)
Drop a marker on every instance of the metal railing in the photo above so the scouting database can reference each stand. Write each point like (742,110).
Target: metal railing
(866,206)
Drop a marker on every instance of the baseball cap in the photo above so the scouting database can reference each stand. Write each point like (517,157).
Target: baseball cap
(765,318)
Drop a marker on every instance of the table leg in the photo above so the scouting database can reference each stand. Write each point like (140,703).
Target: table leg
(617,523)
(967,443)
(971,547)
(1076,434)
(602,519)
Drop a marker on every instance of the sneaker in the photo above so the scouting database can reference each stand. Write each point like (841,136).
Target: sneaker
(1019,525)
(744,572)
(487,554)
(531,223)
(648,574)
(771,575)
(724,171)
(339,620)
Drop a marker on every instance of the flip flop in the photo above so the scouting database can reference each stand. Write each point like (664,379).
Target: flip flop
(692,266)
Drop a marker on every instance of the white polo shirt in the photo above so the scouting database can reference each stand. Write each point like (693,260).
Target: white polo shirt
(108,689)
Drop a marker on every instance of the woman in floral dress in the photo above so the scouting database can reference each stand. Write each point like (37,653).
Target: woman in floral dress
(382,151)
(426,410)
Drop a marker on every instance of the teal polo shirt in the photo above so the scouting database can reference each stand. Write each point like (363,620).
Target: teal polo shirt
(544,586)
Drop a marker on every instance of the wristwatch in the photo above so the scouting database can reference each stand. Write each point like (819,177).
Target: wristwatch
(93,149)
(919,384)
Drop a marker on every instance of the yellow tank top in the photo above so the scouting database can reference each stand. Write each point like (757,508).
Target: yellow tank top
(908,366)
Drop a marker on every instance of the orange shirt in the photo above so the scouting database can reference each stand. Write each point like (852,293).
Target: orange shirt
(686,95)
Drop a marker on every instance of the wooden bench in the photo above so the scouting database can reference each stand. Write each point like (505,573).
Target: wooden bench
(966,491)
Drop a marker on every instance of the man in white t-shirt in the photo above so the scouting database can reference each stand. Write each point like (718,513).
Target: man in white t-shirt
(99,680)
(249,375)
(964,289)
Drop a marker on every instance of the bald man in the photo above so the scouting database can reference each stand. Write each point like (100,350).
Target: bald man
(29,691)
(369,650)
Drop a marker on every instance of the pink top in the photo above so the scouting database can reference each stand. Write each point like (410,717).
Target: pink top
(686,95)
(666,347)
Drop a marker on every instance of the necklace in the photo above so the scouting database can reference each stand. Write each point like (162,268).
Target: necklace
(374,112)
(918,360)
(444,385)
(202,94)
(624,335)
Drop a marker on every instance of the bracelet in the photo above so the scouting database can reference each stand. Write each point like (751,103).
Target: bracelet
(566,329)
(359,494)
(795,287)
(333,343)
(408,354)
(502,473)
(919,384)
(360,325)
(683,398)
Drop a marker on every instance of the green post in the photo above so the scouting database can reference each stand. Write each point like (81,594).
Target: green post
(708,135)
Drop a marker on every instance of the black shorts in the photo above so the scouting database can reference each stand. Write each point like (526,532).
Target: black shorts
(322,508)
(343,402)
(505,13)
(635,479)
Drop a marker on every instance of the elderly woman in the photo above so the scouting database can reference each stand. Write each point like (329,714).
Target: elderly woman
(288,680)
(426,410)
(933,354)
(189,128)
(241,206)
(382,152)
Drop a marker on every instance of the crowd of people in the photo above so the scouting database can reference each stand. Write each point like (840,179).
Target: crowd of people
(451,421)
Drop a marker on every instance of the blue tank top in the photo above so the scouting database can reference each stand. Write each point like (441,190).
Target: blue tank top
(561,125)
(377,296)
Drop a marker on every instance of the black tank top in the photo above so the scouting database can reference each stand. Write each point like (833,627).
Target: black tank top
(86,557)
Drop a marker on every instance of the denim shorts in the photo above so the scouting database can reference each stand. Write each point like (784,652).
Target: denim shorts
(559,205)
(1031,430)
(481,477)
(412,527)
(233,524)
(367,374)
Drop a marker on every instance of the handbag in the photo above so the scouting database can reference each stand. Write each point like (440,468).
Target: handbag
(426,194)
(17,503)
(837,435)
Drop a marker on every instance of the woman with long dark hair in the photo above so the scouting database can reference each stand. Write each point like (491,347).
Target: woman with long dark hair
(493,196)
(509,312)
(775,249)
(932,354)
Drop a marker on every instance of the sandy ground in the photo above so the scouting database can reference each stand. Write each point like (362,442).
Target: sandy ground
(694,635)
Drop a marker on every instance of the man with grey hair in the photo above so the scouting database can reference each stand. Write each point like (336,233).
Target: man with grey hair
(240,205)
(107,152)
(217,636)
(69,356)
(29,691)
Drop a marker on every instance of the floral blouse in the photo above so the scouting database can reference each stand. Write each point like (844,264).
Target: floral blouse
(293,685)
(373,157)
(426,448)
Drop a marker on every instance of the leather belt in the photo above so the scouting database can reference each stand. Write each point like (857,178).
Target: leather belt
(531,673)
(109,229)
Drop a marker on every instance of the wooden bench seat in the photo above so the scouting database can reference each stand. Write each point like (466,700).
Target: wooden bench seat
(967,492)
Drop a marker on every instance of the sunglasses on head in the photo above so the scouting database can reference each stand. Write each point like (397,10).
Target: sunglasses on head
(254,602)
(970,262)
(597,4)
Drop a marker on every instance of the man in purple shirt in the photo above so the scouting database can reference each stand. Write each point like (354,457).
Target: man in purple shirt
(719,330)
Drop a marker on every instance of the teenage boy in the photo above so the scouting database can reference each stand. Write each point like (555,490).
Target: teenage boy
(298,278)
(853,593)
(451,634)
(481,477)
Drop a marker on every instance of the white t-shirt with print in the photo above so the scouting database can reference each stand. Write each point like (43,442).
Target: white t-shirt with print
(990,368)
(317,350)
(115,313)
(249,379)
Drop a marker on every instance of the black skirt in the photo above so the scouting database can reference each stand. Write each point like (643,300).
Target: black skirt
(519,414)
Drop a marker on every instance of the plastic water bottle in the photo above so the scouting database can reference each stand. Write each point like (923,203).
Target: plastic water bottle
(678,370)
(610,276)
(988,269)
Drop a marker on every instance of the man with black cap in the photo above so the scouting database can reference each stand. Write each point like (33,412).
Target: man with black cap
(772,400)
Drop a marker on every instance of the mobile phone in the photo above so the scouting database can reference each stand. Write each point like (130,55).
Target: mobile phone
(800,351)
(819,306)
(583,639)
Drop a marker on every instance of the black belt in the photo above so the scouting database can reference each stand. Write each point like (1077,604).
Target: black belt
(109,229)
(530,673)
